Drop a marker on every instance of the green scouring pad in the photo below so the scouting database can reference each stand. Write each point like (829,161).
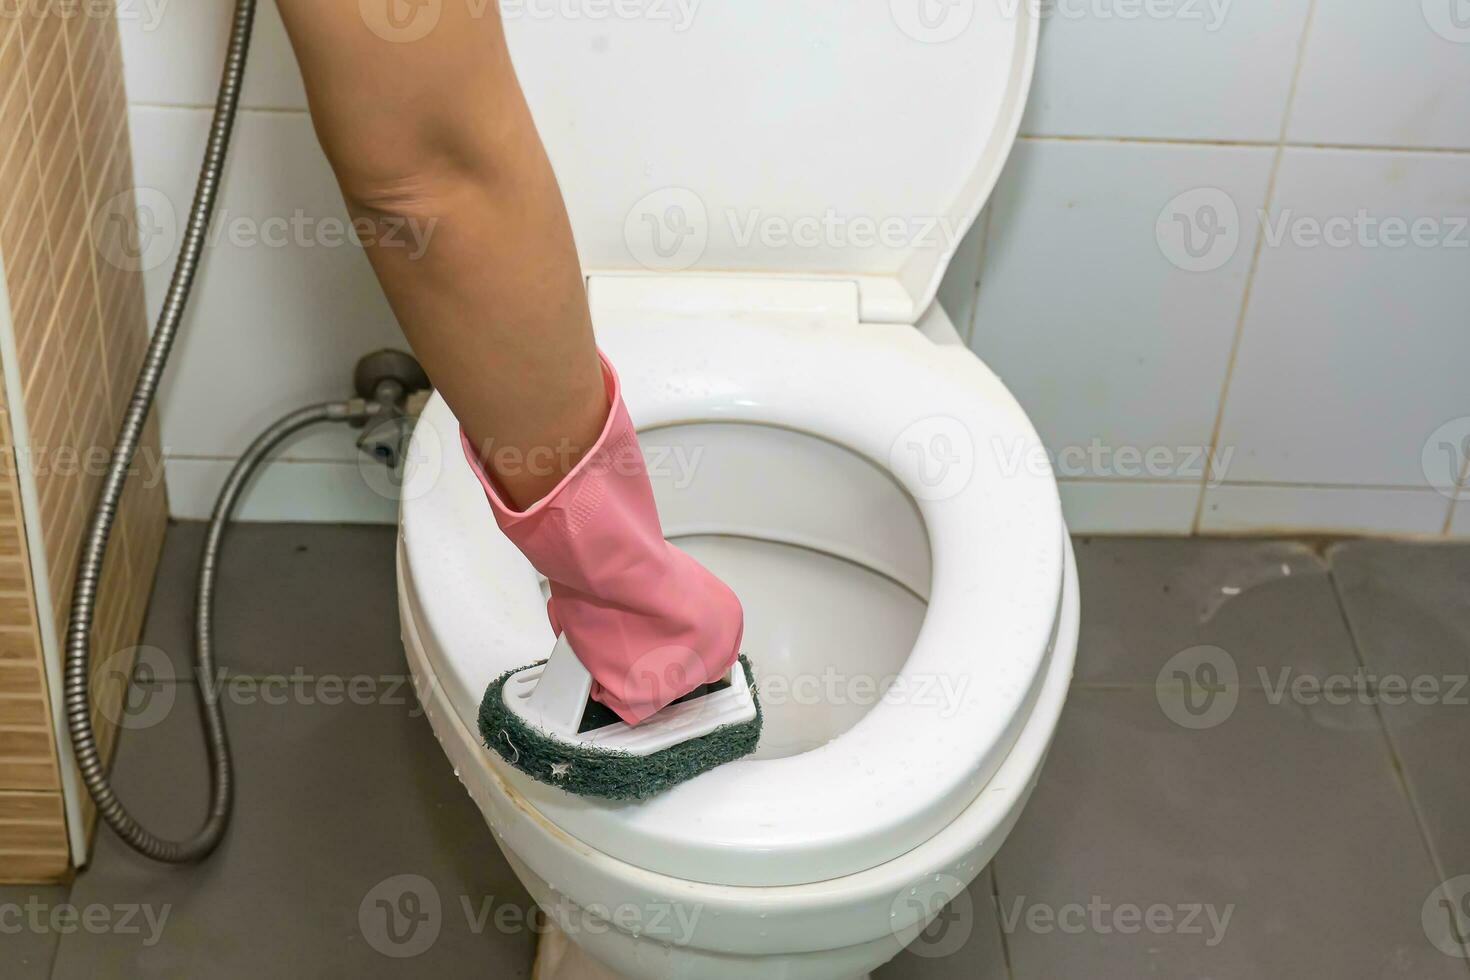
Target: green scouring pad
(539,719)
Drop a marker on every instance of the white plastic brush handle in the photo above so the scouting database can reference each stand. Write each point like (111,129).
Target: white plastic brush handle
(553,698)
(561,694)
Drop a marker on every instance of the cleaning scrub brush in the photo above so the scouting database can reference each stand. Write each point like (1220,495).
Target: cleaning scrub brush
(645,687)
(540,720)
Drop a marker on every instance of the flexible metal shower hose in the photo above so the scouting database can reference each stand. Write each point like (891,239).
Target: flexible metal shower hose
(94,548)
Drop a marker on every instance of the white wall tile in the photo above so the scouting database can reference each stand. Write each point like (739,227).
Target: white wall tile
(334,493)
(1129,507)
(1386,73)
(269,328)
(172,53)
(1234,509)
(1352,357)
(1086,306)
(1195,69)
(1085,312)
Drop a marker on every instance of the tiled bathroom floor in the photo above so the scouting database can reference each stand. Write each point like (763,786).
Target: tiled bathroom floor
(1294,824)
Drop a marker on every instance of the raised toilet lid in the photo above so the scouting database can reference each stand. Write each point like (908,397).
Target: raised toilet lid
(830,139)
(905,769)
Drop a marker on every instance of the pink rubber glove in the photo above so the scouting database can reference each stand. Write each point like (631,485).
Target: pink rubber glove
(649,622)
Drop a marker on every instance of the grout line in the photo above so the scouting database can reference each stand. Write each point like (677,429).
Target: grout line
(1250,276)
(1246,144)
(1125,481)
(1210,480)
(1375,148)
(1396,759)
(1147,140)
(1308,485)
(1005,940)
(1460,486)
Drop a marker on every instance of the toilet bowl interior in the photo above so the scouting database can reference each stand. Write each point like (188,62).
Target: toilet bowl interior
(828,555)
(776,483)
(826,551)
(841,481)
(827,638)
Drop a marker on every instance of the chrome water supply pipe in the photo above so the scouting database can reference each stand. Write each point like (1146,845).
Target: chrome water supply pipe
(99,530)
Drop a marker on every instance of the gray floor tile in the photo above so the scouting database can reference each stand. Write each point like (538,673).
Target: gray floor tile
(347,810)
(1274,805)
(1286,816)
(345,815)
(32,921)
(312,598)
(1269,604)
(1409,608)
(1432,744)
(964,943)
(1409,604)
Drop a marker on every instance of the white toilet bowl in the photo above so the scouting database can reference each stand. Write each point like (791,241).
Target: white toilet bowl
(877,499)
(913,628)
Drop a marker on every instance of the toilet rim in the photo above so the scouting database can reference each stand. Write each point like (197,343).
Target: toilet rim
(997,543)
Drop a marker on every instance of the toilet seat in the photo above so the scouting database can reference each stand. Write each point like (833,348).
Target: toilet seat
(905,770)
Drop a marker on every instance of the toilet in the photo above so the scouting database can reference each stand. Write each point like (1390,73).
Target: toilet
(819,437)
